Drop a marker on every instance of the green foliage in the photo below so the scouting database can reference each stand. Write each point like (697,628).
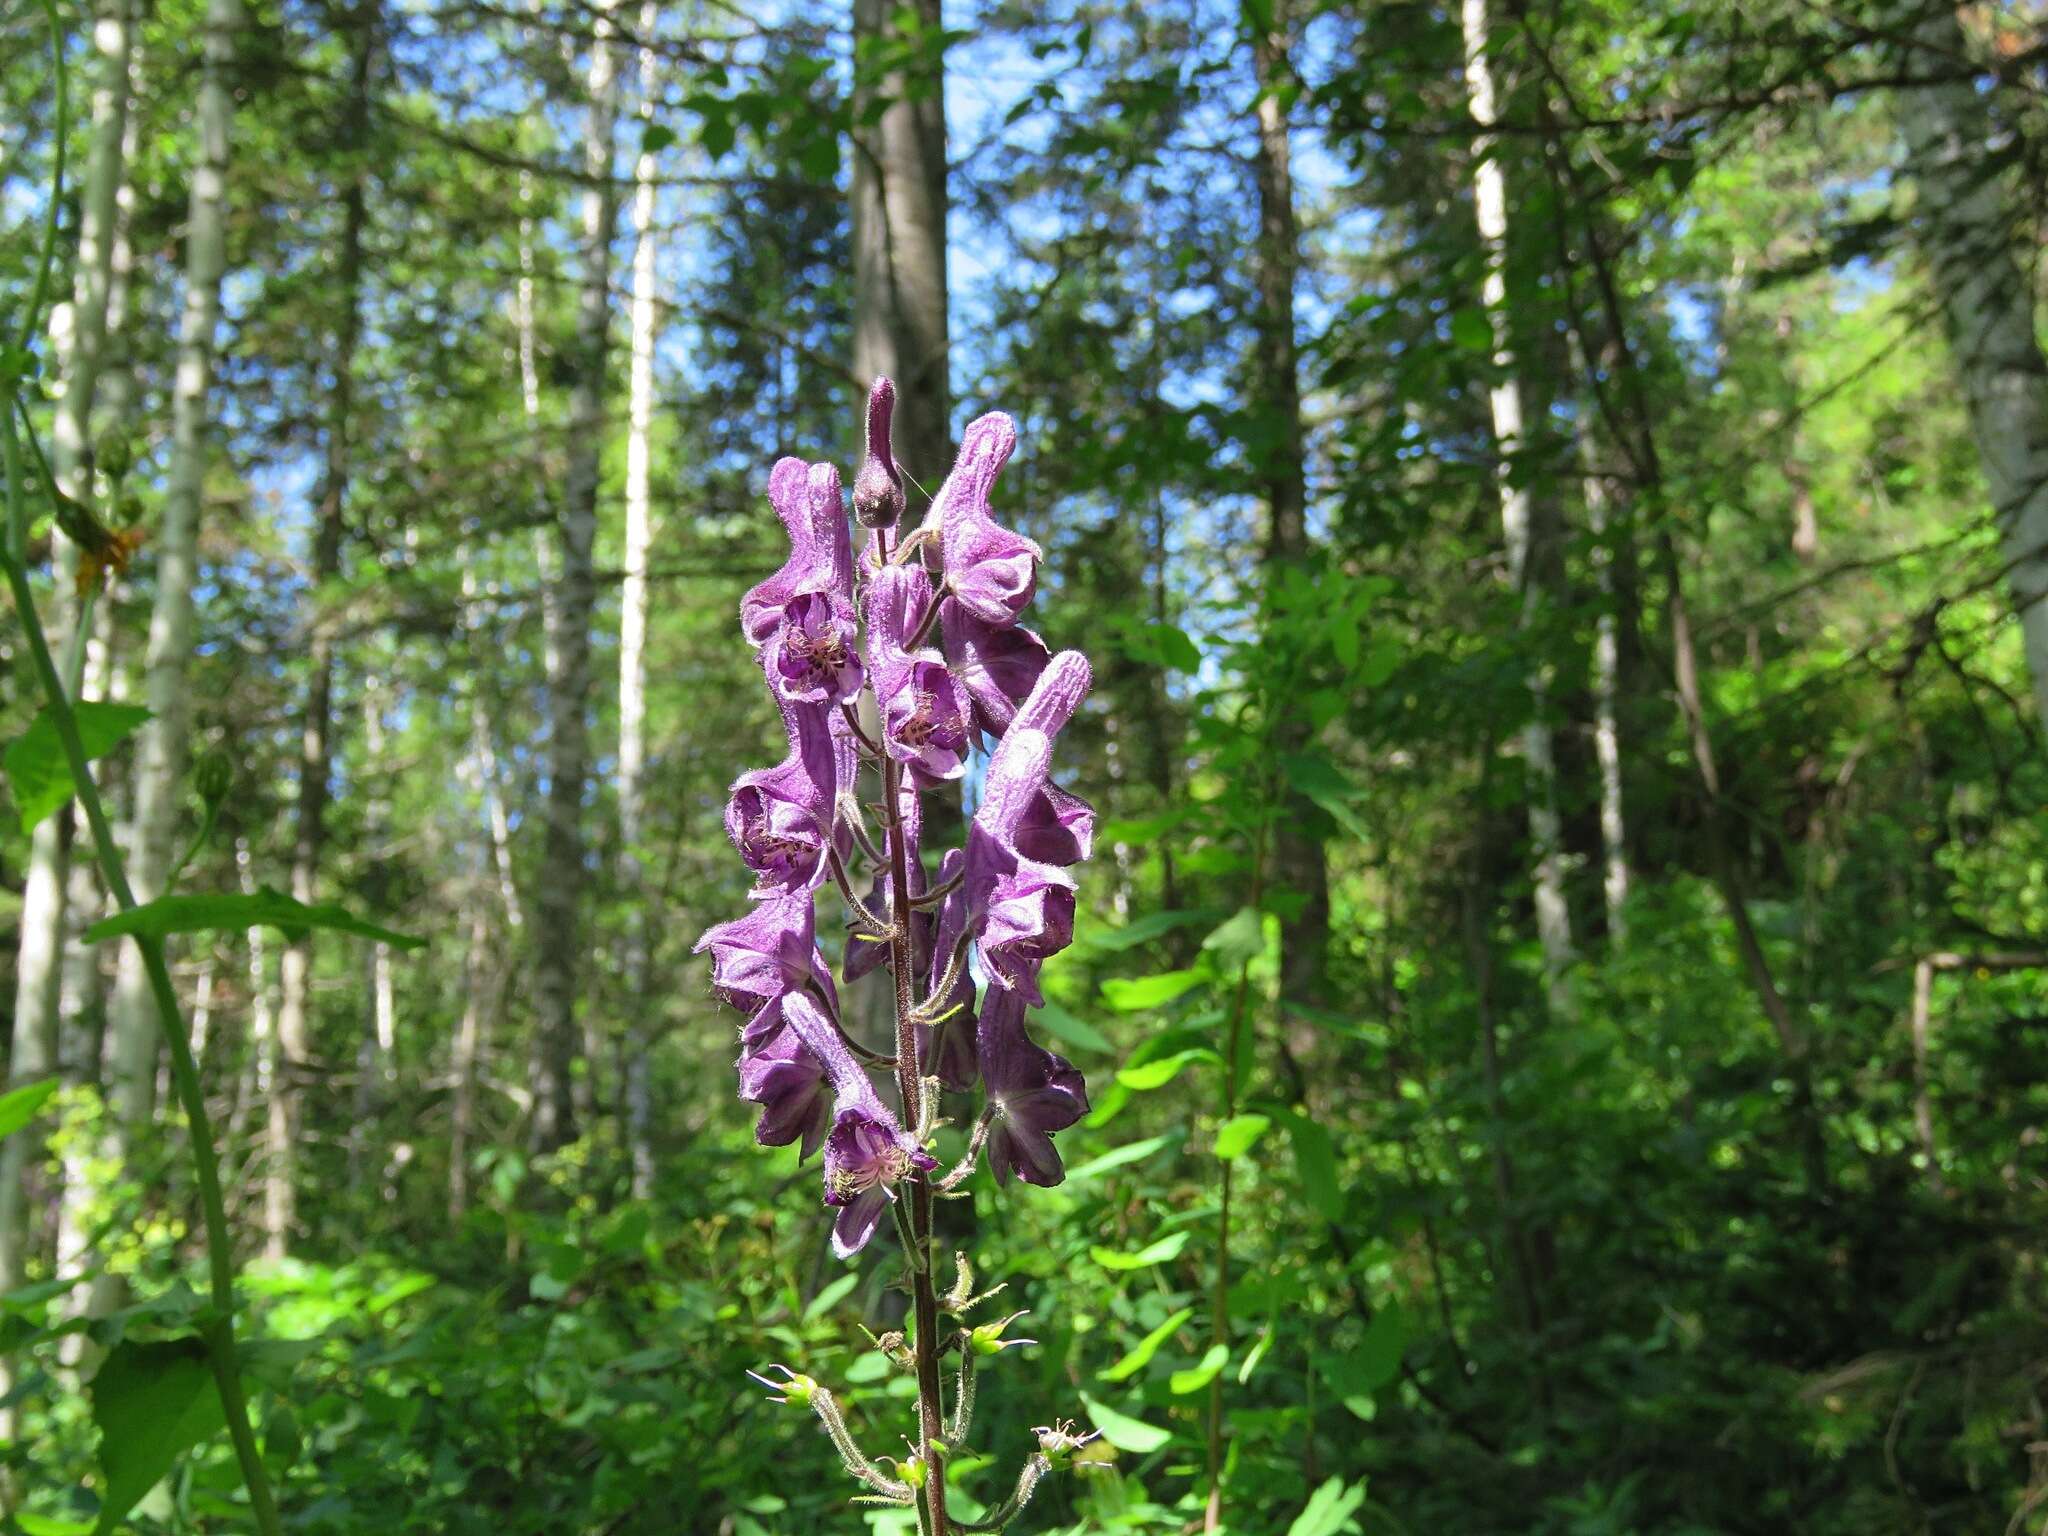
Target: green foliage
(39,772)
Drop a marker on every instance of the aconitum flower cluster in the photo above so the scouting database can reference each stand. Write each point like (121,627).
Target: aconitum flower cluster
(891,673)
(895,671)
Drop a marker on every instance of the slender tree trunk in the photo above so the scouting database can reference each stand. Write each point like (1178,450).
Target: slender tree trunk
(639,1106)
(160,763)
(899,245)
(316,747)
(374,1051)
(1606,701)
(80,329)
(563,875)
(1546,833)
(1299,862)
(1965,226)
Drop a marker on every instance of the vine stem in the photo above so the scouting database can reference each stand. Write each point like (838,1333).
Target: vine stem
(218,1330)
(910,1085)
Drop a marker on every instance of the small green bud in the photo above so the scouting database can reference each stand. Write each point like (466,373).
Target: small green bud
(213,775)
(987,1339)
(914,1470)
(795,1387)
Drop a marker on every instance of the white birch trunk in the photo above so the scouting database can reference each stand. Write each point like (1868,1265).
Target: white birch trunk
(633,633)
(563,873)
(160,763)
(1546,836)
(1965,228)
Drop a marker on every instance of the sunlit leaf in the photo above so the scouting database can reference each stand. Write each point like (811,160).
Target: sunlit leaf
(38,770)
(1236,1135)
(1329,1510)
(1123,1431)
(235,911)
(1238,941)
(18,1106)
(1162,1070)
(1117,1157)
(1198,1376)
(1141,1353)
(1136,993)
(1152,1253)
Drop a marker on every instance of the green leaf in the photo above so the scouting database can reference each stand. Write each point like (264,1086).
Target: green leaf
(1178,651)
(37,768)
(234,911)
(1320,781)
(831,1296)
(1123,1431)
(1141,1353)
(43,1525)
(1162,1070)
(1329,1510)
(1315,1161)
(1471,331)
(150,1402)
(19,1106)
(1239,941)
(1076,1032)
(1235,1136)
(1364,1370)
(1116,1157)
(1152,1253)
(1135,993)
(656,137)
(1198,1376)
(1148,927)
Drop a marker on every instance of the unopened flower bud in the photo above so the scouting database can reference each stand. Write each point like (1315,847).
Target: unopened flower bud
(795,1388)
(113,455)
(213,775)
(878,487)
(988,1338)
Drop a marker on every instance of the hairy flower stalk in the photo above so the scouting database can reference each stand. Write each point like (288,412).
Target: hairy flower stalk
(919,638)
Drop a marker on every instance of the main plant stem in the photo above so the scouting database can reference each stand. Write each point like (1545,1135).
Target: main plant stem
(218,1333)
(910,1085)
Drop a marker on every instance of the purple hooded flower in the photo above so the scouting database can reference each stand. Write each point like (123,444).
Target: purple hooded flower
(788,1082)
(759,960)
(877,486)
(925,713)
(1057,828)
(780,818)
(998,664)
(990,571)
(802,616)
(867,1154)
(1024,907)
(1031,1093)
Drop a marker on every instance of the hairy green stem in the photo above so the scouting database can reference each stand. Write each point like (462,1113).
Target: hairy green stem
(219,1332)
(909,1083)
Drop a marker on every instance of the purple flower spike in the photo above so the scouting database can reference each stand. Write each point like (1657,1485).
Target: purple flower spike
(1032,1092)
(788,1082)
(779,818)
(989,570)
(998,664)
(867,1154)
(878,487)
(925,718)
(1029,916)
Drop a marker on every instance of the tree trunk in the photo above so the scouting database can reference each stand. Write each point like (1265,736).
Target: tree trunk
(316,747)
(80,329)
(160,762)
(1546,834)
(1299,861)
(1965,228)
(562,860)
(899,245)
(633,646)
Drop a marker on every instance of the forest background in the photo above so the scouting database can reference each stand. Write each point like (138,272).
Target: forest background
(1557,497)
